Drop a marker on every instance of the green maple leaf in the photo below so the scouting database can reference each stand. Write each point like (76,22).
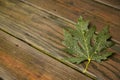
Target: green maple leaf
(84,44)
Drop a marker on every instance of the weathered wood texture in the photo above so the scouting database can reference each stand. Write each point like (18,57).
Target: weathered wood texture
(112,3)
(19,61)
(44,31)
(98,14)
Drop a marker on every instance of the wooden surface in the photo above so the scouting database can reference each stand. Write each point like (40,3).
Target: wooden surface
(111,3)
(19,61)
(31,39)
(98,14)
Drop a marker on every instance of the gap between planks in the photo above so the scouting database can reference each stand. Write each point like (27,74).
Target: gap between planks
(19,61)
(66,6)
(63,18)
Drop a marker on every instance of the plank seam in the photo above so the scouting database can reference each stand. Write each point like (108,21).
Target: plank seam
(60,59)
(49,12)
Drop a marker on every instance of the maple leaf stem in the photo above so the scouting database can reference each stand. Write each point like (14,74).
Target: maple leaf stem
(86,67)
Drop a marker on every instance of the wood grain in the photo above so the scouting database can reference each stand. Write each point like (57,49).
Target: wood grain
(44,31)
(112,3)
(19,61)
(99,15)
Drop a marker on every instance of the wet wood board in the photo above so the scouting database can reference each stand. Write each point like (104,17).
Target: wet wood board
(31,35)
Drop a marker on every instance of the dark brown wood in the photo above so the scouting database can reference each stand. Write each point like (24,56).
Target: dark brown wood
(112,3)
(98,14)
(42,30)
(19,61)
(107,70)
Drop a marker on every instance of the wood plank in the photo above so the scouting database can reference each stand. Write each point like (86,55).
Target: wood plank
(32,32)
(112,3)
(107,70)
(31,25)
(5,75)
(98,14)
(19,61)
(45,31)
